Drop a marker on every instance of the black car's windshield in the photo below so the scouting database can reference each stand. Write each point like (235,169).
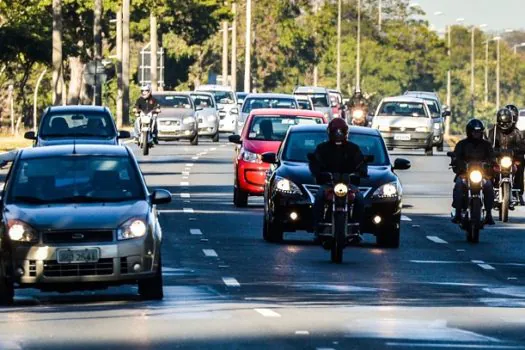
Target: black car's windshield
(78,124)
(203,101)
(174,101)
(75,179)
(319,100)
(402,109)
(223,97)
(259,102)
(299,144)
(274,128)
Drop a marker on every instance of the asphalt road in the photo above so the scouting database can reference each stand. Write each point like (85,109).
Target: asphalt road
(227,288)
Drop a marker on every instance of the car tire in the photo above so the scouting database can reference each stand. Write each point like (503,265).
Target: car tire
(439,147)
(240,198)
(7,289)
(215,138)
(272,232)
(195,140)
(389,238)
(152,288)
(429,152)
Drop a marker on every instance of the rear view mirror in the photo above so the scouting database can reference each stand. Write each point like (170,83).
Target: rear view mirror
(30,135)
(269,157)
(160,197)
(123,134)
(402,164)
(235,139)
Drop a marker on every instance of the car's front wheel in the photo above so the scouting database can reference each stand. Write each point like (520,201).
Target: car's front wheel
(7,289)
(429,151)
(240,198)
(195,140)
(389,237)
(152,288)
(215,137)
(272,232)
(439,147)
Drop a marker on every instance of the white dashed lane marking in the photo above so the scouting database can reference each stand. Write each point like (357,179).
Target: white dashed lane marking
(231,282)
(194,158)
(185,195)
(302,332)
(486,267)
(185,173)
(210,252)
(189,164)
(405,218)
(188,210)
(184,183)
(195,231)
(267,313)
(436,239)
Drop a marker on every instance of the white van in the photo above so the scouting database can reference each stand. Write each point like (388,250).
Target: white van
(226,104)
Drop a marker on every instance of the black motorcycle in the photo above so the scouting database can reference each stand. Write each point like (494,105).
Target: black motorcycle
(505,194)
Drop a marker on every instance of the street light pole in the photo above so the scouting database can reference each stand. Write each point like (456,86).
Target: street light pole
(234,47)
(449,79)
(339,45)
(380,15)
(358,58)
(472,82)
(224,53)
(486,72)
(498,75)
(248,44)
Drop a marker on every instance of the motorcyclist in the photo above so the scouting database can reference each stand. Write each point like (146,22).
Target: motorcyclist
(358,102)
(337,155)
(146,103)
(472,149)
(505,135)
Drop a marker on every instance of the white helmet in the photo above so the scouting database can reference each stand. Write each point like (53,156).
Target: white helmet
(145,87)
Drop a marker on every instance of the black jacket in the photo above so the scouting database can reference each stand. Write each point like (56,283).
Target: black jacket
(472,150)
(146,105)
(512,140)
(331,158)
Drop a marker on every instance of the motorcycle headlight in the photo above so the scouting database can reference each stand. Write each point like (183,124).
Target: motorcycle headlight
(188,120)
(133,228)
(476,176)
(358,114)
(389,190)
(505,162)
(422,129)
(340,190)
(286,186)
(21,232)
(251,157)
(234,111)
(437,126)
(326,115)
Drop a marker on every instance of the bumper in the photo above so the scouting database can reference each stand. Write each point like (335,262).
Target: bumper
(417,140)
(208,128)
(116,264)
(228,124)
(251,177)
(184,131)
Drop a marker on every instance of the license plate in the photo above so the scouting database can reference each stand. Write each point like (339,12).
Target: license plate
(170,128)
(76,256)
(402,137)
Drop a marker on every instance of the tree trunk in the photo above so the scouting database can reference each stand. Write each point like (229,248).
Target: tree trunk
(97,34)
(154,50)
(75,84)
(125,60)
(120,92)
(58,86)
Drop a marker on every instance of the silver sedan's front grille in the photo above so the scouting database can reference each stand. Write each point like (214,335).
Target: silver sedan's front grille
(311,190)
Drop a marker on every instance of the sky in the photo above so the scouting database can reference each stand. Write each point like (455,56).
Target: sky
(499,15)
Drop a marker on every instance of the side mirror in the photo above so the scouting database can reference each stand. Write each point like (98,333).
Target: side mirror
(235,139)
(269,157)
(161,197)
(30,135)
(402,164)
(199,108)
(124,134)
(446,114)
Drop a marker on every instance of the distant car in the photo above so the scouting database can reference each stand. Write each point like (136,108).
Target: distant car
(207,114)
(405,122)
(336,99)
(263,132)
(320,98)
(81,124)
(304,102)
(258,101)
(227,103)
(521,120)
(177,119)
(240,97)
(77,217)
(289,191)
(439,114)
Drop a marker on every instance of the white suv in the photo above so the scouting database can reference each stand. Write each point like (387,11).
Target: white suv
(226,104)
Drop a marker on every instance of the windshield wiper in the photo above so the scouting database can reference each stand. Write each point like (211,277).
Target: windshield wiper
(30,199)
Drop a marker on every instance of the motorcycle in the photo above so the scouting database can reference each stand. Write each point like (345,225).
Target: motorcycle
(473,213)
(146,123)
(339,206)
(505,194)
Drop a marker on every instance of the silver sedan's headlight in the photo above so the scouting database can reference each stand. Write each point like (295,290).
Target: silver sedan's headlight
(389,190)
(188,120)
(21,232)
(286,186)
(133,228)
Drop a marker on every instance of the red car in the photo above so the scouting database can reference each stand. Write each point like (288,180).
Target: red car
(263,131)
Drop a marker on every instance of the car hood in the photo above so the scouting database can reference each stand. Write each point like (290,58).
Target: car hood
(76,216)
(77,140)
(261,147)
(300,174)
(398,121)
(177,113)
(324,110)
(206,112)
(226,107)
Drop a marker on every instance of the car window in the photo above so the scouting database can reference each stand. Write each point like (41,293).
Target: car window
(82,123)
(259,102)
(433,107)
(522,113)
(274,128)
(223,97)
(319,100)
(402,109)
(203,101)
(299,144)
(174,101)
(304,104)
(86,178)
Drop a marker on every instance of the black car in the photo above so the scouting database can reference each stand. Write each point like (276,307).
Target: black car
(76,217)
(290,189)
(61,125)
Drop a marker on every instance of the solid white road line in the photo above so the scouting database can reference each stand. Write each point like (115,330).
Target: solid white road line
(187,210)
(486,267)
(184,195)
(453,345)
(302,332)
(184,183)
(267,313)
(436,239)
(231,282)
(195,231)
(405,218)
(210,252)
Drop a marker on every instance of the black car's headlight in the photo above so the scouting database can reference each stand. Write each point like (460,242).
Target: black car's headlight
(284,185)
(389,190)
(21,232)
(133,228)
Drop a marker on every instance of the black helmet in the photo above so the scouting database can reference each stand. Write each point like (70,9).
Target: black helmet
(505,119)
(515,112)
(474,125)
(338,131)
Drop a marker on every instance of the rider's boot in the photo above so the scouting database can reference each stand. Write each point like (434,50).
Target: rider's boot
(489,220)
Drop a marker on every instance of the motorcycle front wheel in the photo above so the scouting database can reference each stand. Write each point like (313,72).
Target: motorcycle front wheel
(505,196)
(339,223)
(145,143)
(475,221)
